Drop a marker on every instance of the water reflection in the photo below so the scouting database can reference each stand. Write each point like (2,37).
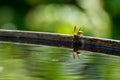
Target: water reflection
(30,62)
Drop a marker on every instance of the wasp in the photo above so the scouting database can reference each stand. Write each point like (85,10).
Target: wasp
(76,42)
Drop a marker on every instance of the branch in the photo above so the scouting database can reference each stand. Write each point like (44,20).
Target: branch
(100,45)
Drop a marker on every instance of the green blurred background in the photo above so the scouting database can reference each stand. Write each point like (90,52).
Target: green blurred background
(98,18)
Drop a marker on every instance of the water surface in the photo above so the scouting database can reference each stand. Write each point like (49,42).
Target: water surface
(31,62)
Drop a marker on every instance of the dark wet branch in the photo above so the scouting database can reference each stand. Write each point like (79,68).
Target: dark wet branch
(86,43)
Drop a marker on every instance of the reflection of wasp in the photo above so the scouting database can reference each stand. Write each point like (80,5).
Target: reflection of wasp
(76,42)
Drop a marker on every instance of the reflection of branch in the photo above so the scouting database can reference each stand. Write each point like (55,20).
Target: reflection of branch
(86,43)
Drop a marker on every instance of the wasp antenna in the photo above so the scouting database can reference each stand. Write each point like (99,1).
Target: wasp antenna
(74,29)
(79,29)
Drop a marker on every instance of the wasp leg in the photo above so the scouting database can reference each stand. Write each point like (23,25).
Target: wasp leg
(76,54)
